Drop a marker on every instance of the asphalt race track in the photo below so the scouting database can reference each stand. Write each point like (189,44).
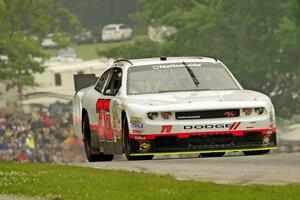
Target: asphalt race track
(281,168)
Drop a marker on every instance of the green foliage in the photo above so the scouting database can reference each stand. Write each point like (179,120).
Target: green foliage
(140,48)
(61,38)
(23,24)
(258,40)
(94,14)
(20,50)
(67,182)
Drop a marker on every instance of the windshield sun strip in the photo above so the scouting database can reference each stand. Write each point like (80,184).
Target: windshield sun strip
(156,92)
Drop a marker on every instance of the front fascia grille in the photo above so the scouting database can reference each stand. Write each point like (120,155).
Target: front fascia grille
(207,114)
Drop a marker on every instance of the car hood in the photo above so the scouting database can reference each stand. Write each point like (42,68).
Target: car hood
(200,100)
(199,96)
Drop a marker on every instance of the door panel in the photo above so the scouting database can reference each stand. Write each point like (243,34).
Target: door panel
(105,107)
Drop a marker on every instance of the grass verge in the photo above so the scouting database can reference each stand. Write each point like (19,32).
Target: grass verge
(69,182)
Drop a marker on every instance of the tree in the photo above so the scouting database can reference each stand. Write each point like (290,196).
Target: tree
(22,26)
(94,14)
(140,48)
(258,40)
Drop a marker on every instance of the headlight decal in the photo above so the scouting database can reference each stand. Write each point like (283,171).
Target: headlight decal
(247,111)
(166,115)
(152,115)
(259,110)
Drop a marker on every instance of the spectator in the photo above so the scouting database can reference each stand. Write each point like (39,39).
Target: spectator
(36,137)
(2,130)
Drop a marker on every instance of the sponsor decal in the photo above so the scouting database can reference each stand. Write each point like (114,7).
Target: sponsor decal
(229,114)
(207,126)
(139,137)
(145,146)
(116,121)
(177,65)
(136,119)
(166,129)
(136,122)
(137,131)
(232,126)
(266,139)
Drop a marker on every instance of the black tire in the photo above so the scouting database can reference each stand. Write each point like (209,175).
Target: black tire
(126,144)
(254,153)
(216,154)
(87,144)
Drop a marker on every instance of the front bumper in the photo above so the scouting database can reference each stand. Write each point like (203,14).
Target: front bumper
(190,143)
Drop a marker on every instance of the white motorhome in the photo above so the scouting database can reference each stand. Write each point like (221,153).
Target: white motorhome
(57,79)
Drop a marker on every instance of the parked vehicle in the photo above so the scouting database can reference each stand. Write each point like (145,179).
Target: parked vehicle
(85,38)
(48,42)
(115,32)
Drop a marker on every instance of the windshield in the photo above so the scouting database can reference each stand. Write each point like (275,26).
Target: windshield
(177,77)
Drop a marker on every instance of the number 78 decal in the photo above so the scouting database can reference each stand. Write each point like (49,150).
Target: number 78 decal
(105,129)
(166,129)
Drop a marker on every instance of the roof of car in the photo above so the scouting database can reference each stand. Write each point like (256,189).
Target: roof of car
(165,60)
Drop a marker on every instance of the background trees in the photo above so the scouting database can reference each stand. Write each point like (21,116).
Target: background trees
(94,14)
(258,40)
(22,26)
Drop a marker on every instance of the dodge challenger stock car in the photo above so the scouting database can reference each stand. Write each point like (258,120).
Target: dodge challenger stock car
(170,105)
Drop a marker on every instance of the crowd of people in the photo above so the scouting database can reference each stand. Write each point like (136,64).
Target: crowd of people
(45,135)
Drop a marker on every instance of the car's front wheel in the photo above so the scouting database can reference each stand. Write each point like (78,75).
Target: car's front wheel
(253,153)
(87,144)
(126,145)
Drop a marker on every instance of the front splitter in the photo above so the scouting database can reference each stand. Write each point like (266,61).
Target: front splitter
(206,151)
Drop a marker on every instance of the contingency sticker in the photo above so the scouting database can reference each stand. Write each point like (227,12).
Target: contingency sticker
(136,122)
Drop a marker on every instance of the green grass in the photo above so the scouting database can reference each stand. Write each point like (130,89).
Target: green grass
(69,182)
(89,51)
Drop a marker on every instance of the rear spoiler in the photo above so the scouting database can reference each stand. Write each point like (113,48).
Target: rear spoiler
(84,80)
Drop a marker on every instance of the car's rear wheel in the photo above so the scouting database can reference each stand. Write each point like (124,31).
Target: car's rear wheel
(126,144)
(87,144)
(253,153)
(216,154)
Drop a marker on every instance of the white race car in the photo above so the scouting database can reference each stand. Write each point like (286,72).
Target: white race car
(170,105)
